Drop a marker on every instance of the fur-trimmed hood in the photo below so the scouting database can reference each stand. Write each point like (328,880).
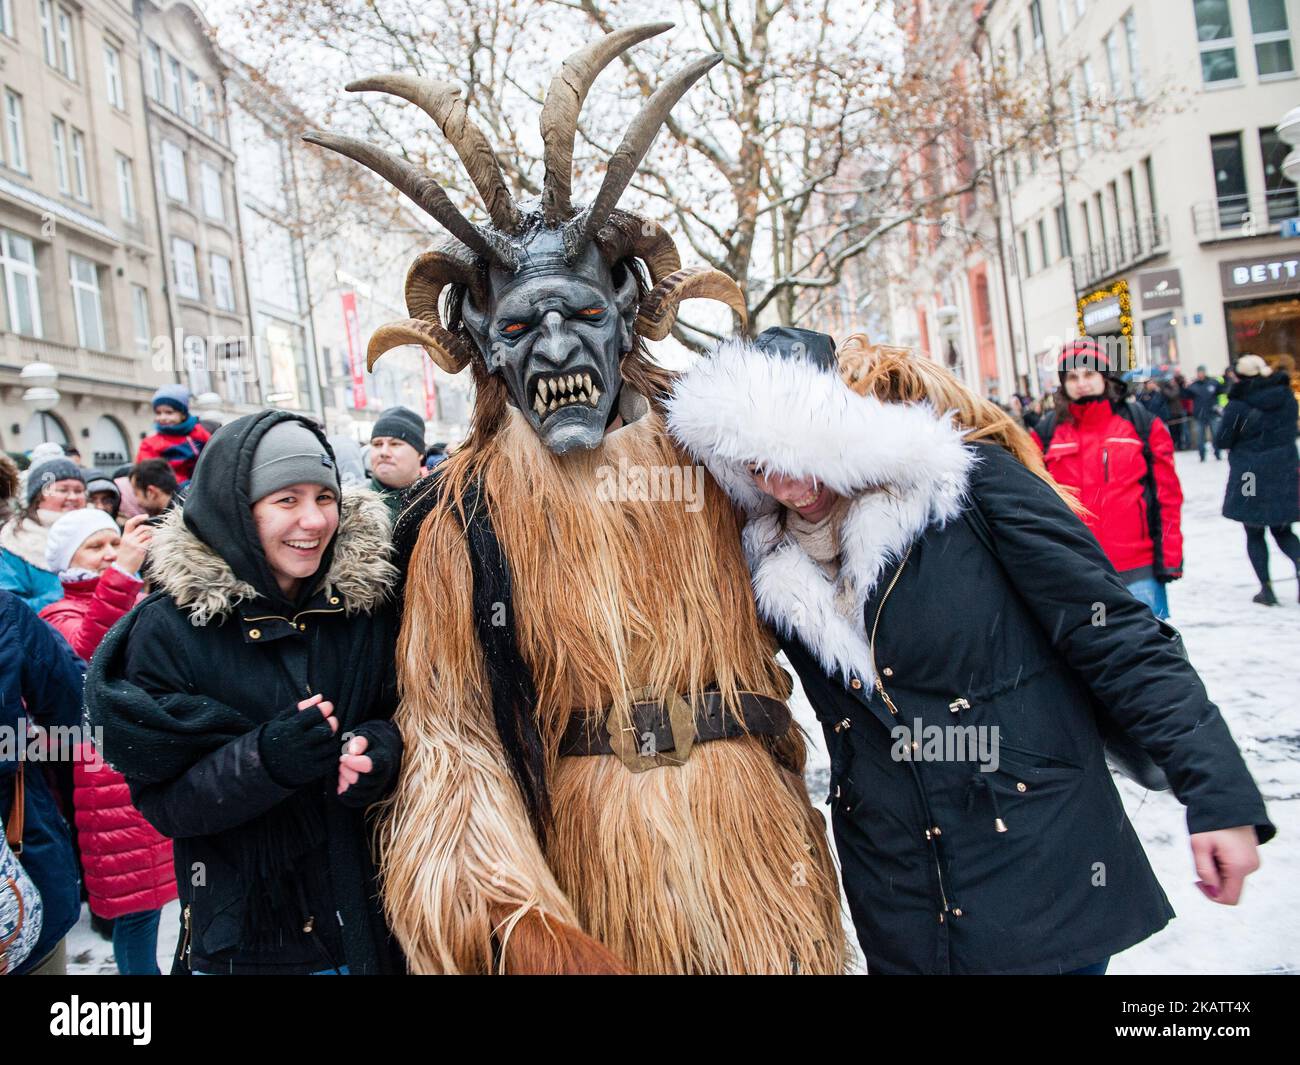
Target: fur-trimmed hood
(902,466)
(203,584)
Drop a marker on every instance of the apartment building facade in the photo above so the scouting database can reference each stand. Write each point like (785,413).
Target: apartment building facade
(1173,233)
(210,340)
(80,261)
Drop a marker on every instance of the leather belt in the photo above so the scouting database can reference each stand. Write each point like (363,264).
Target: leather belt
(655,733)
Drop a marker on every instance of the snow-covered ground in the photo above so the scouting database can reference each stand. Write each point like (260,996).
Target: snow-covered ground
(1244,653)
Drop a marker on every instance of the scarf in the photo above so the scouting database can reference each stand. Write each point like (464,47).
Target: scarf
(820,541)
(180,429)
(27,538)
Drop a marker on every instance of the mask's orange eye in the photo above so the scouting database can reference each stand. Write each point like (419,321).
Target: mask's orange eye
(515,327)
(591,312)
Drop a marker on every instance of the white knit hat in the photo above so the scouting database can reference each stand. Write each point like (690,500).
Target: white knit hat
(1252,366)
(70,532)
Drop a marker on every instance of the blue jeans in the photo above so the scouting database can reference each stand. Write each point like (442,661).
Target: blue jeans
(135,943)
(1098,969)
(1152,592)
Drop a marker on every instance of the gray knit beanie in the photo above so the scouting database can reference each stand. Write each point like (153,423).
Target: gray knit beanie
(401,423)
(41,477)
(290,453)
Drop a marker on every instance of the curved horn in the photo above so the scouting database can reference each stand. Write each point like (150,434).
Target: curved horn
(636,142)
(449,351)
(415,183)
(433,271)
(628,234)
(659,311)
(559,121)
(442,102)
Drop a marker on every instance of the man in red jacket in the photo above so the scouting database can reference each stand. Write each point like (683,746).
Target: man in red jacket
(179,437)
(1119,459)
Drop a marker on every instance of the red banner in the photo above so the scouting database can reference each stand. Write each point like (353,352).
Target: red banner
(430,392)
(353,330)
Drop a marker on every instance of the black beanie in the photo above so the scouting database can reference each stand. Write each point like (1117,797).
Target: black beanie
(401,423)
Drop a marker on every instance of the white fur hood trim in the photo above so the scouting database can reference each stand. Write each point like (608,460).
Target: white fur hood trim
(202,583)
(903,466)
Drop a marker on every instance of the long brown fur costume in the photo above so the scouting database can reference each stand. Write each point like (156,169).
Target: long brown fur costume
(719,865)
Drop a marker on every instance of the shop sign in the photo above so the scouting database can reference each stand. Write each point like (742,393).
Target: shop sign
(1248,278)
(1161,289)
(1101,316)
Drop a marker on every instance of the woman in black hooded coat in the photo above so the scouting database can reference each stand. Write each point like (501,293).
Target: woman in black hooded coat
(1258,431)
(213,693)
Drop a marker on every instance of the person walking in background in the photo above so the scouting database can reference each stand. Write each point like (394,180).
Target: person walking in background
(1119,460)
(1204,393)
(1172,387)
(225,697)
(178,437)
(396,454)
(127,864)
(1154,400)
(40,683)
(1258,431)
(53,488)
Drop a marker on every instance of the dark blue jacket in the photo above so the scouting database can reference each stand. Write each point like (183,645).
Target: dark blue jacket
(40,681)
(1258,431)
(1204,396)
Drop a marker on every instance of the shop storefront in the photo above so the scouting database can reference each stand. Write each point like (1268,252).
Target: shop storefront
(1161,293)
(1262,307)
(1106,316)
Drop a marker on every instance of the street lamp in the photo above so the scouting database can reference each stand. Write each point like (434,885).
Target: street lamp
(40,379)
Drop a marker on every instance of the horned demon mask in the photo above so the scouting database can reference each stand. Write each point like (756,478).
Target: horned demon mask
(547,294)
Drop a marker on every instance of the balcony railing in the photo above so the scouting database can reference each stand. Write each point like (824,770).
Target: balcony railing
(19,350)
(1239,217)
(1132,245)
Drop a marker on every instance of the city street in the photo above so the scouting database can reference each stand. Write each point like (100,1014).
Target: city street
(1246,654)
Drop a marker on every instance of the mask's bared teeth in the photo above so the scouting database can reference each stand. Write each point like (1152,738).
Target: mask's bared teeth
(554,404)
(541,389)
(568,383)
(595,396)
(582,397)
(539,406)
(586,383)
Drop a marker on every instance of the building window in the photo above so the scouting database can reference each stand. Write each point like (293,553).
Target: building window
(1044,255)
(1063,11)
(1218,48)
(1026,263)
(1272,38)
(194,96)
(1036,23)
(85,302)
(1080,8)
(60,140)
(1149,171)
(174,178)
(185,270)
(1091,88)
(1018,47)
(1062,230)
(223,288)
(67,57)
(173,98)
(140,318)
(15,139)
(22,293)
(126,187)
(214,114)
(7,17)
(80,187)
(113,76)
(1279,192)
(1230,179)
(213,203)
(1131,50)
(155,72)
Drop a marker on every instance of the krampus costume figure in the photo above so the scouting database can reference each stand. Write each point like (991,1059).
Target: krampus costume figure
(600,770)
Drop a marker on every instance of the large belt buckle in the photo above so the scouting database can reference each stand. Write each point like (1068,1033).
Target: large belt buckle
(627,743)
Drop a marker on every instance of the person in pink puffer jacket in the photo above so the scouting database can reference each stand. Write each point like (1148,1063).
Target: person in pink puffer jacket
(127,864)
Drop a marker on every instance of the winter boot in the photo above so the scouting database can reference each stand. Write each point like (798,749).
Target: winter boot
(1265,596)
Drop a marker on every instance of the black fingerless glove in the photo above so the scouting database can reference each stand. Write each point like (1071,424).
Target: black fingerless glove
(298,747)
(384,746)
